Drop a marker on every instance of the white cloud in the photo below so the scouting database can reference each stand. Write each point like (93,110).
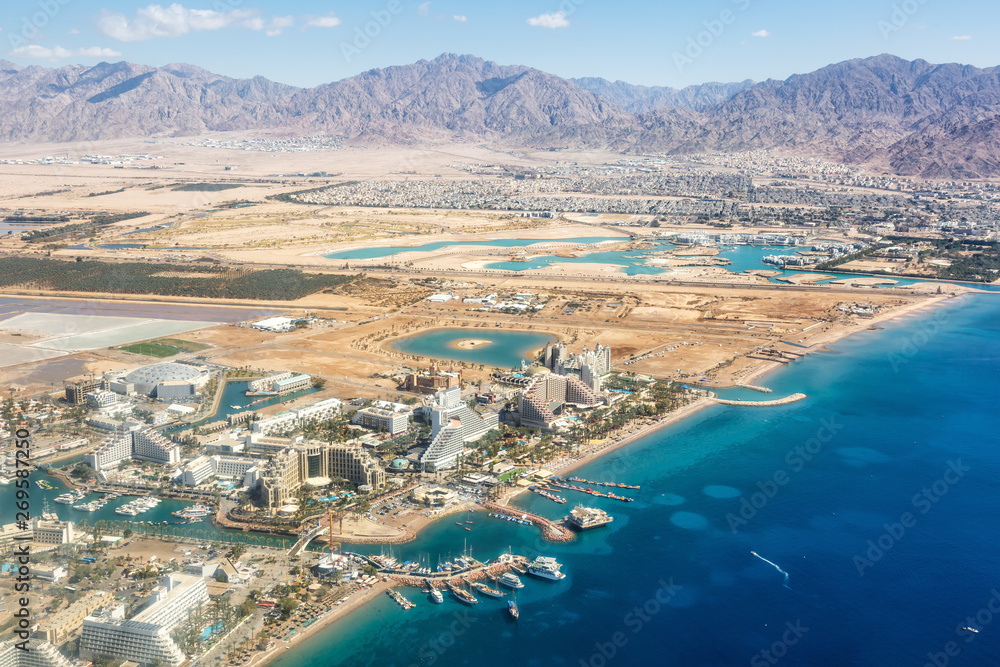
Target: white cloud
(460,18)
(424,9)
(761,33)
(59,53)
(962,37)
(74,31)
(552,21)
(173,21)
(279,23)
(328,21)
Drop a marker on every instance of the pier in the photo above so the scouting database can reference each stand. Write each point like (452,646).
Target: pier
(792,398)
(445,579)
(550,530)
(754,387)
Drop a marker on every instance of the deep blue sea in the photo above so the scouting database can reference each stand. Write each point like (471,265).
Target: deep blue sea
(877,496)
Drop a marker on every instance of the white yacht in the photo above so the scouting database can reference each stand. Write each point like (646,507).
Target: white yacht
(546,567)
(511,580)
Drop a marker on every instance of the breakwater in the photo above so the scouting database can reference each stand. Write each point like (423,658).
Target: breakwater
(791,398)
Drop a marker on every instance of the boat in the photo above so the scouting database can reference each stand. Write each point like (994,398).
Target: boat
(613,484)
(464,596)
(47,513)
(236,407)
(486,590)
(66,499)
(400,600)
(512,609)
(546,567)
(436,596)
(510,580)
(584,518)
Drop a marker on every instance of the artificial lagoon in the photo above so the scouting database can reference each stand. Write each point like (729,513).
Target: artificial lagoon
(374,252)
(494,347)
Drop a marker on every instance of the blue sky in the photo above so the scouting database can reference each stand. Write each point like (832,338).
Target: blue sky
(652,43)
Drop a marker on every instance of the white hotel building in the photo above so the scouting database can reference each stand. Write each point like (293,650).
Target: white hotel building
(146,637)
(203,467)
(39,654)
(135,443)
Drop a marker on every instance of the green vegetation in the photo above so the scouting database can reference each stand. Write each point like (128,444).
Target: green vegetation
(142,278)
(164,347)
(206,187)
(80,229)
(974,261)
(36,218)
(971,260)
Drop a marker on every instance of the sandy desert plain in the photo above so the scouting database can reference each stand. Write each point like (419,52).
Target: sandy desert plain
(724,317)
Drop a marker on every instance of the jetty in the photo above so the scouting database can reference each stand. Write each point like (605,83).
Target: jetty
(754,387)
(792,398)
(505,563)
(550,530)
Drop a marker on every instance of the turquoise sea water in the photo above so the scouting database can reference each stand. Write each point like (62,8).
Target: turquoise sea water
(386,251)
(899,428)
(506,349)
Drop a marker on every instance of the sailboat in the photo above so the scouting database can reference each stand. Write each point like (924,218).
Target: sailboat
(512,609)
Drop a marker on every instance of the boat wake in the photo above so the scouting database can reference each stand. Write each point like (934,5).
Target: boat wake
(775,566)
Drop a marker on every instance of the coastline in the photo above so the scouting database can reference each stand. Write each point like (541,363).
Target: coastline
(610,445)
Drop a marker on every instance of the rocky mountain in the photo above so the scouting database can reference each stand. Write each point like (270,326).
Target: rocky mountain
(459,96)
(912,117)
(107,101)
(640,99)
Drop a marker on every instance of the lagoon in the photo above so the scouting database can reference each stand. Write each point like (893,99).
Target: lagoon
(506,349)
(373,252)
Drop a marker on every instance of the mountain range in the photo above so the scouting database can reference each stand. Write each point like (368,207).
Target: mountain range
(910,117)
